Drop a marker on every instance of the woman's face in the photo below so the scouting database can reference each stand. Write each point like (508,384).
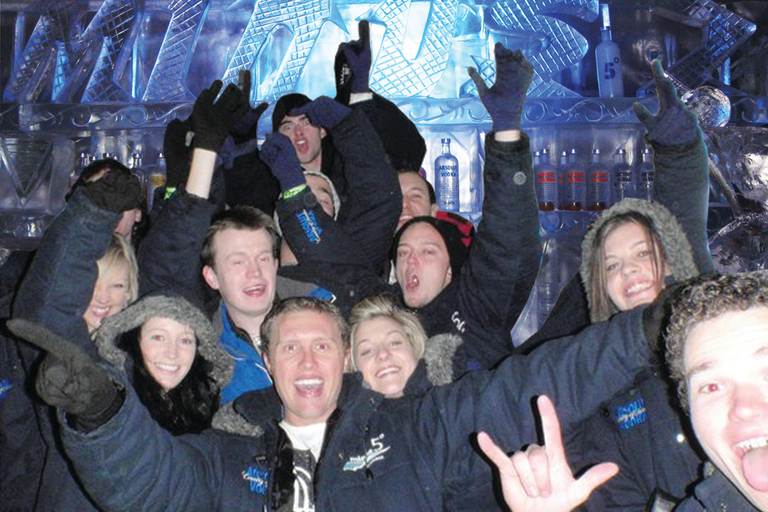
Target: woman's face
(168,349)
(630,275)
(110,296)
(384,355)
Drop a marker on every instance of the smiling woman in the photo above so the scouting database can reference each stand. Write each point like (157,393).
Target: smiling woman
(173,358)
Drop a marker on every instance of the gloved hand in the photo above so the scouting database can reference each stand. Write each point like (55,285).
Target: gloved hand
(504,101)
(324,112)
(674,124)
(278,153)
(248,125)
(212,119)
(177,151)
(116,191)
(354,58)
(69,379)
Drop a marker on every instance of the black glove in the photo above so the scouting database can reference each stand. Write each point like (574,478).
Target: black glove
(279,154)
(212,119)
(177,151)
(323,111)
(505,100)
(674,124)
(246,128)
(69,379)
(116,191)
(353,60)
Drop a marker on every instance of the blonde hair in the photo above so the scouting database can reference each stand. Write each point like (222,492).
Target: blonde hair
(120,254)
(382,306)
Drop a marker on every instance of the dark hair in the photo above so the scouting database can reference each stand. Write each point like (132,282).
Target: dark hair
(601,306)
(295,304)
(703,299)
(186,409)
(430,188)
(240,217)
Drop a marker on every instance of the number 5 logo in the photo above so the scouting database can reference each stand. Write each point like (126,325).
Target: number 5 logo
(610,72)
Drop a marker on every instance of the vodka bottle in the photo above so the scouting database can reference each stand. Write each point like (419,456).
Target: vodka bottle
(156,179)
(138,171)
(82,162)
(608,61)
(599,188)
(623,178)
(548,280)
(562,162)
(447,179)
(645,173)
(546,181)
(574,184)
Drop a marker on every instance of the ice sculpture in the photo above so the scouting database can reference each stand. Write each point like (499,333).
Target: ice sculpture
(304,19)
(553,46)
(166,82)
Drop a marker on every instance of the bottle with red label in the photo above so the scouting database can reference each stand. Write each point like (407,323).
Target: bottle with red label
(574,184)
(546,180)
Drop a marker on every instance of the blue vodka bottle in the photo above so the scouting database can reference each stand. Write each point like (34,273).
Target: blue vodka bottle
(623,178)
(645,172)
(574,184)
(599,189)
(447,179)
(546,181)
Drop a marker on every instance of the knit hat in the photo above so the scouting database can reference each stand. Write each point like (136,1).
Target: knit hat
(166,305)
(285,105)
(455,233)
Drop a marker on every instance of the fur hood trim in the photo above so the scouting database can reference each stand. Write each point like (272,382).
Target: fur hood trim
(166,306)
(228,420)
(677,249)
(438,357)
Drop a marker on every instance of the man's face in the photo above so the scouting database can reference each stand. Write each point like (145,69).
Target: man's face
(322,190)
(244,272)
(307,360)
(726,369)
(306,139)
(415,198)
(423,266)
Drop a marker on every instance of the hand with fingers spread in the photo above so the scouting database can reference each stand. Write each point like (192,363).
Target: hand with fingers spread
(212,119)
(69,379)
(540,479)
(505,99)
(324,112)
(278,153)
(673,124)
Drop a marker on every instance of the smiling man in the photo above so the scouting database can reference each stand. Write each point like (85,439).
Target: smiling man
(717,349)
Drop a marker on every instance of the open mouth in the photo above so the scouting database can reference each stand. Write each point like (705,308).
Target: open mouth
(309,387)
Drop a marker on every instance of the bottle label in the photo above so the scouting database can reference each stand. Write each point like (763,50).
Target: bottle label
(546,177)
(575,177)
(599,177)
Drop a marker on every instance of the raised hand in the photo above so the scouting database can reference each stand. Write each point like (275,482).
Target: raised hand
(212,119)
(68,378)
(505,99)
(673,124)
(539,478)
(115,191)
(247,126)
(279,154)
(324,112)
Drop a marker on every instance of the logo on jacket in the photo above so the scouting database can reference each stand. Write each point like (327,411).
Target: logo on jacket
(632,414)
(258,479)
(374,454)
(309,224)
(5,388)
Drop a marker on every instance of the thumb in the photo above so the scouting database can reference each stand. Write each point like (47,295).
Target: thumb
(482,87)
(594,478)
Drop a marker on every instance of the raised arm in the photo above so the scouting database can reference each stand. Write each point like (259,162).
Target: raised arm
(504,260)
(680,161)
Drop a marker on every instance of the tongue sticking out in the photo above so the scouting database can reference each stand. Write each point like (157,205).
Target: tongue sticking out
(755,467)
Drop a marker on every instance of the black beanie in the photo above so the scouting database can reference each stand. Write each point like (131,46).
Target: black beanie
(285,105)
(456,241)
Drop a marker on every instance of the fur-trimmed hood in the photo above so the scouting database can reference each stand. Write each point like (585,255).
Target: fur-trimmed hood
(439,357)
(677,249)
(166,305)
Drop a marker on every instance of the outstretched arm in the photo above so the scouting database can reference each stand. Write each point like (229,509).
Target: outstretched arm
(680,161)
(539,478)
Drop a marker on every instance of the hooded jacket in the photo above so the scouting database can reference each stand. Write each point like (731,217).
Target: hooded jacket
(378,453)
(715,494)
